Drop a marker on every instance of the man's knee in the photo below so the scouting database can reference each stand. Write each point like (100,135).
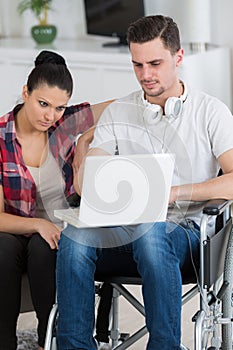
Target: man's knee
(71,250)
(151,235)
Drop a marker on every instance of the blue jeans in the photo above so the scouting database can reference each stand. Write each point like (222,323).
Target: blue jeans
(159,254)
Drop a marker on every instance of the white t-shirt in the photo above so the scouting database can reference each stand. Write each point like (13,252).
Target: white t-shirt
(197,137)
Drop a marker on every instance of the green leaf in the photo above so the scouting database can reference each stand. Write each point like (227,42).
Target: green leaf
(36,6)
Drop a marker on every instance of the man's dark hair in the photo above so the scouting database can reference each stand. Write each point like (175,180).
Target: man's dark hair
(151,27)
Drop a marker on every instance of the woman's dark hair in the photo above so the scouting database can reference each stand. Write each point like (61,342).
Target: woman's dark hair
(151,27)
(50,68)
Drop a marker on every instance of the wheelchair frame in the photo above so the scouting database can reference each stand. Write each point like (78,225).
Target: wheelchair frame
(213,322)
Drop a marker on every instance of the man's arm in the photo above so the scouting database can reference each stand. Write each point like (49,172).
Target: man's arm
(97,109)
(220,187)
(86,138)
(78,175)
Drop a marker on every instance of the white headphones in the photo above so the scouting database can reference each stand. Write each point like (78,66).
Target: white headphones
(172,109)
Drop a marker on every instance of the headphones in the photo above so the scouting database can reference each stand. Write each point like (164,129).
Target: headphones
(172,109)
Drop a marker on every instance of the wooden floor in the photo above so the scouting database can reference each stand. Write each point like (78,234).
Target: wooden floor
(131,319)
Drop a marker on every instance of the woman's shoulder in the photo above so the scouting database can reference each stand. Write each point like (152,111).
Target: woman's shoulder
(76,108)
(6,124)
(76,119)
(5,118)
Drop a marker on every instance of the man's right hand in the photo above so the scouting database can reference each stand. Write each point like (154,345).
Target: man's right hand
(82,148)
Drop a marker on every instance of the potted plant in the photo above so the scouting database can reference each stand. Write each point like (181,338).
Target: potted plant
(43,33)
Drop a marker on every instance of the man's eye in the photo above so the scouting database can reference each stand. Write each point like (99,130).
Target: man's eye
(155,63)
(43,104)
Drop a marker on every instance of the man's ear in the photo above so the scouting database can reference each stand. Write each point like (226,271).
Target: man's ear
(25,93)
(179,57)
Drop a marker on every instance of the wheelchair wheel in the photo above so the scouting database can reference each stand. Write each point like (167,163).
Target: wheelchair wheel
(227,298)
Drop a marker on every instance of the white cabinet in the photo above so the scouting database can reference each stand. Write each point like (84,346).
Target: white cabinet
(104,73)
(13,75)
(97,82)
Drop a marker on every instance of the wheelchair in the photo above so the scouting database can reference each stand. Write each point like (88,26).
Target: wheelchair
(213,320)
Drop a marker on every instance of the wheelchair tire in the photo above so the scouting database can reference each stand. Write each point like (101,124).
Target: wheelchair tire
(227,298)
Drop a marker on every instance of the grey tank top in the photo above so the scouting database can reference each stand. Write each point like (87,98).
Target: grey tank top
(50,188)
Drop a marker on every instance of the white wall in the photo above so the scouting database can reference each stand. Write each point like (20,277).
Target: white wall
(209,19)
(189,15)
(217,25)
(222,26)
(212,22)
(67,15)
(221,22)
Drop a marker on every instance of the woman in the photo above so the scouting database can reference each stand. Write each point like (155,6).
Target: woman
(37,144)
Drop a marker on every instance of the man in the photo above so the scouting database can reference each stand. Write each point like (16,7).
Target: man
(166,116)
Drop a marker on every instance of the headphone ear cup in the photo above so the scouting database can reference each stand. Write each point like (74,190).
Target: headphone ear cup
(151,113)
(173,107)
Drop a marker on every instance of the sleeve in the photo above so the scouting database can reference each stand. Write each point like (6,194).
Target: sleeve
(104,136)
(78,118)
(63,134)
(220,128)
(1,175)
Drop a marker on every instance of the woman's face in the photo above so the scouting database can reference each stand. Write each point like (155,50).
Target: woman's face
(44,106)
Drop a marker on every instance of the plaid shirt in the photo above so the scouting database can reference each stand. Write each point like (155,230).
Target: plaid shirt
(18,185)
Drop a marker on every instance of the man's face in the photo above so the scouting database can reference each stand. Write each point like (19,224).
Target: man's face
(156,69)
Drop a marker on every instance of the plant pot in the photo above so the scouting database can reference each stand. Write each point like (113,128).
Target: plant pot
(44,34)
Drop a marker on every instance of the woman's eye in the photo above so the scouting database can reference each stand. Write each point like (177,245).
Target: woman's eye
(60,109)
(43,104)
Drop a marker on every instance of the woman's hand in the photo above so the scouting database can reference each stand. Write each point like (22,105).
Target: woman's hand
(49,231)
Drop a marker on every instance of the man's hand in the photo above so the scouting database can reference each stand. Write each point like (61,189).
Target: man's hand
(82,148)
(86,138)
(181,193)
(173,194)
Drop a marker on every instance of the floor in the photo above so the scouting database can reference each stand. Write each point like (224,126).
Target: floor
(131,319)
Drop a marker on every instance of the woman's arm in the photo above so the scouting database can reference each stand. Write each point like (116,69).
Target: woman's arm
(15,224)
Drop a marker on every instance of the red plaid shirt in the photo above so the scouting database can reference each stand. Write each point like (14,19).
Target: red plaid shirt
(18,185)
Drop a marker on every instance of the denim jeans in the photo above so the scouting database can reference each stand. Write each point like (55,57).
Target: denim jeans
(159,254)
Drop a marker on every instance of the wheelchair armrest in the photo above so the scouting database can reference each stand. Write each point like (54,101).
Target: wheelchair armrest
(216,206)
(73,200)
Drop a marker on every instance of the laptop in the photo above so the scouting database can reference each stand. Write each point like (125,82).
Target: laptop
(122,190)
